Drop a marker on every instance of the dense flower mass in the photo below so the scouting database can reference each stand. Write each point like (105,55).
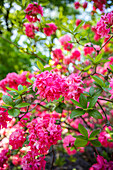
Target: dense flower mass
(32,10)
(43,133)
(50,29)
(12,80)
(50,85)
(3,159)
(30,30)
(103,26)
(30,162)
(17,139)
(102,164)
(4,118)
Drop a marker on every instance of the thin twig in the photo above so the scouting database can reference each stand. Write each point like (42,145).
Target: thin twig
(23,50)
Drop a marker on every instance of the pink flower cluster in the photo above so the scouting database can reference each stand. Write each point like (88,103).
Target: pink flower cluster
(17,139)
(75,88)
(111,85)
(100,4)
(89,50)
(51,86)
(50,29)
(68,142)
(3,159)
(64,40)
(103,138)
(12,80)
(32,10)
(102,28)
(43,133)
(30,162)
(77,5)
(4,118)
(31,14)
(30,30)
(102,164)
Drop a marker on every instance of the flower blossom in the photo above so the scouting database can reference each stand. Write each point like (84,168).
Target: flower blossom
(30,30)
(3,118)
(17,139)
(64,40)
(102,164)
(32,10)
(30,162)
(68,142)
(50,29)
(77,5)
(43,133)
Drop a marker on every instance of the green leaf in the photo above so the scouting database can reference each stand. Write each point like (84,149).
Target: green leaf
(22,105)
(14,112)
(89,57)
(80,137)
(87,68)
(13,90)
(76,103)
(95,113)
(96,143)
(7,99)
(82,130)
(58,109)
(80,142)
(20,87)
(92,91)
(111,66)
(76,113)
(98,58)
(1,94)
(83,101)
(40,65)
(98,80)
(94,133)
(93,101)
(78,26)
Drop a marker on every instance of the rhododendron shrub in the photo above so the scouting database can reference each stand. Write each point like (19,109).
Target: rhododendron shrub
(65,105)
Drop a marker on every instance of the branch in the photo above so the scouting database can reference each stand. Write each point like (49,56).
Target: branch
(106,43)
(24,51)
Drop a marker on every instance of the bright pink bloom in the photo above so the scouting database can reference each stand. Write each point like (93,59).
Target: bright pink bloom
(32,10)
(51,29)
(78,21)
(77,5)
(102,164)
(30,30)
(75,55)
(30,162)
(50,85)
(85,5)
(17,139)
(64,40)
(99,4)
(57,54)
(103,138)
(68,142)
(43,133)
(3,158)
(4,118)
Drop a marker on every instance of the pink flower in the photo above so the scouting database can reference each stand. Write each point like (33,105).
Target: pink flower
(3,157)
(17,139)
(103,138)
(85,5)
(78,21)
(77,5)
(50,85)
(43,133)
(64,40)
(57,54)
(75,55)
(29,162)
(51,29)
(4,118)
(102,164)
(32,10)
(30,30)
(68,142)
